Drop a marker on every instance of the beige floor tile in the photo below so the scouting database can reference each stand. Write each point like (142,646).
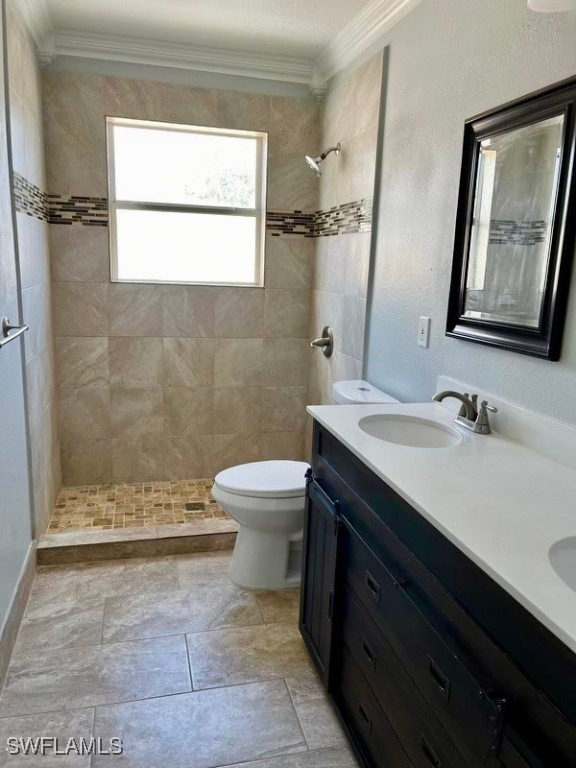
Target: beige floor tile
(317,718)
(60,625)
(339,757)
(213,602)
(108,578)
(86,677)
(281,606)
(60,725)
(191,567)
(203,729)
(246,654)
(129,577)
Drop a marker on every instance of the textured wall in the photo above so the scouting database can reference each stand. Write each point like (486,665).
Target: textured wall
(175,382)
(349,116)
(450,60)
(33,244)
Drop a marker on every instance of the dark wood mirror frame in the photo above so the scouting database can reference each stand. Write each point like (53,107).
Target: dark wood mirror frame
(545,341)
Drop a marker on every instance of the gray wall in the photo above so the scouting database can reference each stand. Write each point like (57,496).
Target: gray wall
(449,60)
(15,533)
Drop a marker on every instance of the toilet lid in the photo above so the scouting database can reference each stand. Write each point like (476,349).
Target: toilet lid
(278,479)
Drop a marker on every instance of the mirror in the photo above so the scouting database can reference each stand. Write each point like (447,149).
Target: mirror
(515,233)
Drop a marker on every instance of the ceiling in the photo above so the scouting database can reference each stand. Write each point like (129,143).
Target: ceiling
(302,42)
(293,28)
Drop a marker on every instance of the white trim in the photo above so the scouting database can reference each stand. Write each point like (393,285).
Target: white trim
(36,17)
(365,29)
(156,53)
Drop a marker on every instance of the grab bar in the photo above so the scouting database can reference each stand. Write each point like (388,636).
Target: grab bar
(7,327)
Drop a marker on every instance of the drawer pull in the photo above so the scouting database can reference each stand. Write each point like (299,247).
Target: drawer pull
(330,604)
(373,586)
(368,652)
(364,716)
(442,682)
(429,753)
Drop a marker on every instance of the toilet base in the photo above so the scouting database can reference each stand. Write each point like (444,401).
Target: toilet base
(264,560)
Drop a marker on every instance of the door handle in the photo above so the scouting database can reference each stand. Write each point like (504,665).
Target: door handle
(442,682)
(7,327)
(429,753)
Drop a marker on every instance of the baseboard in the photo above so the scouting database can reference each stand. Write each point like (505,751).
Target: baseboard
(16,611)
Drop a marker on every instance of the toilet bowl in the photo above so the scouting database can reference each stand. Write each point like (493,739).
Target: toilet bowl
(267,499)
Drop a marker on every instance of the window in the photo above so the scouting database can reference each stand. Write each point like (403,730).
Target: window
(187,204)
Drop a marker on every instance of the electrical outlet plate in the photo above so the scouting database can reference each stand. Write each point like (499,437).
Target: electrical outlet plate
(424,332)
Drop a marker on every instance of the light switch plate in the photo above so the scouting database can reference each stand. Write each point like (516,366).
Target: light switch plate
(424,332)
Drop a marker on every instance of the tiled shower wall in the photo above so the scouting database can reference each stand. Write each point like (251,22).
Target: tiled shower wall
(173,382)
(32,233)
(350,115)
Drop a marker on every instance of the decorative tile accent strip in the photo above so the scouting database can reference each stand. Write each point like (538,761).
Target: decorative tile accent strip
(89,211)
(344,219)
(295,223)
(93,212)
(507,232)
(29,199)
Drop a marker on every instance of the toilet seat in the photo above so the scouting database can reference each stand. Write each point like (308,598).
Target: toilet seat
(265,479)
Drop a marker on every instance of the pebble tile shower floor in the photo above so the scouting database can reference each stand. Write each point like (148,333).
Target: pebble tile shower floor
(168,655)
(133,505)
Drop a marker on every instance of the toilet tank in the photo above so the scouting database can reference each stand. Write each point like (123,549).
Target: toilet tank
(357,392)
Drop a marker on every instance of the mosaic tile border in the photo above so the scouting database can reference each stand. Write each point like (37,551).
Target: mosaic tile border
(28,198)
(508,232)
(93,212)
(88,211)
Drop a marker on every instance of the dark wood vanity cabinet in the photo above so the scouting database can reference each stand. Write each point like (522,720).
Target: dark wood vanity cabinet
(317,604)
(429,663)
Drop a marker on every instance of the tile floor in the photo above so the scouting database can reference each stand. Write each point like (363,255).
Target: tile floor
(170,656)
(133,505)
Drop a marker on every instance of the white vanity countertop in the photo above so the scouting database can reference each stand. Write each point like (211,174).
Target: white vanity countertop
(501,504)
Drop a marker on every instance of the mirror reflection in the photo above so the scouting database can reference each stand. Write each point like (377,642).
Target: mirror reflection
(513,213)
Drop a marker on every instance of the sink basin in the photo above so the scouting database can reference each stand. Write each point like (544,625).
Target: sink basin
(562,556)
(410,430)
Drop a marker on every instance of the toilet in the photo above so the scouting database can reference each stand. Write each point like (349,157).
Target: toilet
(267,499)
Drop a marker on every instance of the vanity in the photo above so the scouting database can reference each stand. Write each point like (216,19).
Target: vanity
(434,603)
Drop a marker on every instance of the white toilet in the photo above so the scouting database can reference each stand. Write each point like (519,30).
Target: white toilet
(267,499)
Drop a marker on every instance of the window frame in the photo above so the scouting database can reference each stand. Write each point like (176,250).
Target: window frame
(259,212)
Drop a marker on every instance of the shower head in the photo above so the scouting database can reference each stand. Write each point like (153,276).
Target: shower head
(314,162)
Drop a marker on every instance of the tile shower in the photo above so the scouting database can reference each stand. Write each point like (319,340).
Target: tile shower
(160,387)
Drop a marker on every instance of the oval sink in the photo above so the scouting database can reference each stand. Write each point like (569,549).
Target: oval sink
(409,430)
(562,556)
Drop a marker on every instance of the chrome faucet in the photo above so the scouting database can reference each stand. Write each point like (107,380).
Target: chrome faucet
(470,417)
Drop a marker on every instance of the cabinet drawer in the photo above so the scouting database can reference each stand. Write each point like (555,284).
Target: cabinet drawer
(470,716)
(426,742)
(370,727)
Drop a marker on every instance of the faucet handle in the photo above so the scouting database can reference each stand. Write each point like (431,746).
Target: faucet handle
(482,424)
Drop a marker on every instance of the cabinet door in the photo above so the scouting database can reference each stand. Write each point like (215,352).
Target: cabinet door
(318,576)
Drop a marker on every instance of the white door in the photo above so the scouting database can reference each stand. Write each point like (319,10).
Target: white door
(15,509)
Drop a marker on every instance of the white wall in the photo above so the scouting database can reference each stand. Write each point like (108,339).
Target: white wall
(450,60)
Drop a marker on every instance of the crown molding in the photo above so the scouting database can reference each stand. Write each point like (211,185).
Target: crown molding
(365,29)
(155,53)
(35,16)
